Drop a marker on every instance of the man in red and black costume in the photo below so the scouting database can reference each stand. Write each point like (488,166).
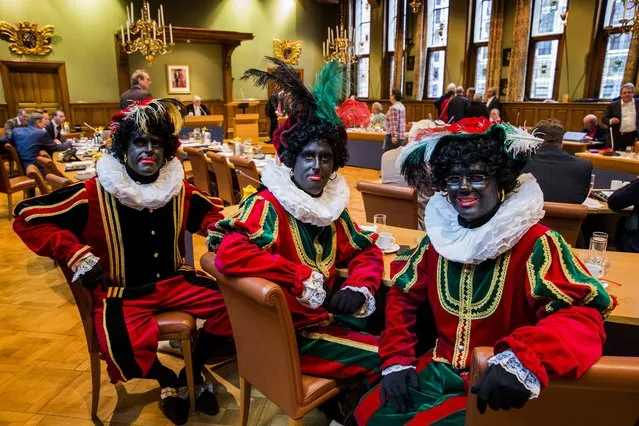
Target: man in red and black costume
(122,234)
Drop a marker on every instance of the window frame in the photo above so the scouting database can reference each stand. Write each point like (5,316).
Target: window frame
(355,67)
(429,50)
(532,42)
(474,47)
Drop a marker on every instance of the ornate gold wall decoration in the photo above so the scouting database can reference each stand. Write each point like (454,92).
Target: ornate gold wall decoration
(27,39)
(288,51)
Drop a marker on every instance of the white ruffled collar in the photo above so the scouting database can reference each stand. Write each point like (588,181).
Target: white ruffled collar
(117,182)
(320,211)
(518,213)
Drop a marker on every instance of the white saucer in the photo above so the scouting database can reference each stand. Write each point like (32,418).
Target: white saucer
(391,249)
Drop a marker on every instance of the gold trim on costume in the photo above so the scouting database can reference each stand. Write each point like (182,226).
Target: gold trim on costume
(57,212)
(319,265)
(77,255)
(543,270)
(107,230)
(51,206)
(339,340)
(119,246)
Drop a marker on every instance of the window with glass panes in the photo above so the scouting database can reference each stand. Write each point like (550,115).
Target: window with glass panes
(390,37)
(546,34)
(481,32)
(362,45)
(617,47)
(436,42)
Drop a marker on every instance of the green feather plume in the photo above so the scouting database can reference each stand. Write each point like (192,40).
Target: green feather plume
(328,90)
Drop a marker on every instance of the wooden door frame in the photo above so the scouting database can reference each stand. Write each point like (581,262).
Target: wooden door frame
(58,67)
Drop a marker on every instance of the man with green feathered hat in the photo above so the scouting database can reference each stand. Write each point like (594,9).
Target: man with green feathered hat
(491,275)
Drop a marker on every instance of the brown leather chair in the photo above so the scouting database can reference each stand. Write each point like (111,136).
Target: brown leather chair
(173,326)
(49,166)
(607,394)
(246,172)
(223,177)
(267,352)
(200,168)
(398,203)
(34,173)
(186,164)
(11,185)
(566,219)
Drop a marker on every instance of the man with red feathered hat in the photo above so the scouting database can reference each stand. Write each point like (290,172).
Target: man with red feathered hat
(122,234)
(297,230)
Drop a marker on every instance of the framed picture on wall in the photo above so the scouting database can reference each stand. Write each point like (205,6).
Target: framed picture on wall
(409,88)
(503,87)
(505,57)
(410,63)
(178,79)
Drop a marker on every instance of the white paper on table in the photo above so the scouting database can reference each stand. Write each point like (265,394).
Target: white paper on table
(592,203)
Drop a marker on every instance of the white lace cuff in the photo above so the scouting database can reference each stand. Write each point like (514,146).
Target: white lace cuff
(368,307)
(314,294)
(509,362)
(84,265)
(395,368)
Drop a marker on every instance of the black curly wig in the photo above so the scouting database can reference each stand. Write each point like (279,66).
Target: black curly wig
(313,129)
(128,130)
(471,149)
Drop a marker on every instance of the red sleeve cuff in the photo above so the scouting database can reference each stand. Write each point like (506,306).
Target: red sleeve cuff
(525,355)
(302,273)
(401,360)
(77,256)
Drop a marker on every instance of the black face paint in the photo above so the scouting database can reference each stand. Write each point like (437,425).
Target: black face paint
(145,157)
(472,191)
(313,167)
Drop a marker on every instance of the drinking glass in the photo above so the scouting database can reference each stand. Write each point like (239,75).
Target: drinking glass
(598,245)
(592,183)
(379,220)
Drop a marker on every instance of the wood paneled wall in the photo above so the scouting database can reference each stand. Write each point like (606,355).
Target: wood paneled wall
(4,114)
(570,114)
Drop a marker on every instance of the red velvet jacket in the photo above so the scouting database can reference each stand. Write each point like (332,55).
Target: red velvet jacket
(263,240)
(537,299)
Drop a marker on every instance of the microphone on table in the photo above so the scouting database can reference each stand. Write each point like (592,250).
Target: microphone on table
(612,153)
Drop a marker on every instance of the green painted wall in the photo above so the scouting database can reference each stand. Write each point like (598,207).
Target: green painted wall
(205,61)
(456,52)
(83,40)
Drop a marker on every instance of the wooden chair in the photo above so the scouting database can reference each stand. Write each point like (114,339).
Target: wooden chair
(398,203)
(11,185)
(223,177)
(200,168)
(268,356)
(34,173)
(186,164)
(566,219)
(246,172)
(246,126)
(173,326)
(49,166)
(607,394)
(57,182)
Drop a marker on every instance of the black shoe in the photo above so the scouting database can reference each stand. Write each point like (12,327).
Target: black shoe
(173,407)
(205,401)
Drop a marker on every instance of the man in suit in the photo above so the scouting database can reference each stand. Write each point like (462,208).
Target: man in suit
(196,108)
(54,128)
(12,123)
(563,178)
(140,84)
(30,140)
(623,117)
(458,105)
(492,101)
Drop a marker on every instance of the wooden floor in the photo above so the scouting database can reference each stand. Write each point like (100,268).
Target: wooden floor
(44,369)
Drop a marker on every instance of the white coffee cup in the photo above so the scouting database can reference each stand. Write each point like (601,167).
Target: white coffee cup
(616,184)
(385,240)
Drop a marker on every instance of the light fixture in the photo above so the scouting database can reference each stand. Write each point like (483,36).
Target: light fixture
(415,5)
(147,36)
(629,22)
(338,46)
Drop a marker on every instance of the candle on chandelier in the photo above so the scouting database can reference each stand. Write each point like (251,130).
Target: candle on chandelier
(128,34)
(148,13)
(171,33)
(154,34)
(162,14)
(164,35)
(122,32)
(128,14)
(132,16)
(324,48)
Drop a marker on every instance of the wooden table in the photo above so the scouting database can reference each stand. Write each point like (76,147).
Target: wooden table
(622,270)
(573,147)
(615,164)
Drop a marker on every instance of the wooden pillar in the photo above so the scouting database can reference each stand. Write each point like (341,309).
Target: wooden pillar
(519,52)
(420,56)
(493,71)
(399,47)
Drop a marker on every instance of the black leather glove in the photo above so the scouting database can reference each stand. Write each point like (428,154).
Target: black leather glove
(395,389)
(500,389)
(92,278)
(346,302)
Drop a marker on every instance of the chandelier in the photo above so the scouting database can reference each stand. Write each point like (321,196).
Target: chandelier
(146,36)
(629,22)
(338,48)
(415,5)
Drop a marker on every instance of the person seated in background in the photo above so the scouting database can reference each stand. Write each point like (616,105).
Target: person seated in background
(563,178)
(627,235)
(55,126)
(134,267)
(19,121)
(457,106)
(196,108)
(139,91)
(593,130)
(296,230)
(378,119)
(442,102)
(30,140)
(491,275)
(477,107)
(494,116)
(45,116)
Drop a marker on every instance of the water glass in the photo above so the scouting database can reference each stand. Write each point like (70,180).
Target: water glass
(598,245)
(629,152)
(592,183)
(379,220)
